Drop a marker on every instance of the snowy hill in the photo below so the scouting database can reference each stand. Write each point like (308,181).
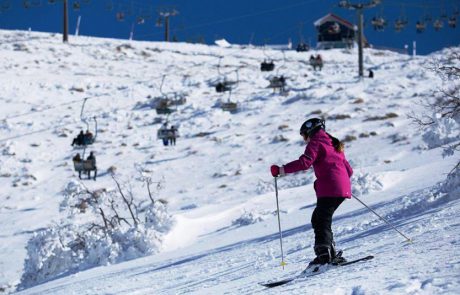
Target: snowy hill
(223,237)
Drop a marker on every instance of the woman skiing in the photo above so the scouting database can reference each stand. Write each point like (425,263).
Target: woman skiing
(332,186)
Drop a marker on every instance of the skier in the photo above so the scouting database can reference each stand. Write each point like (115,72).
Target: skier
(79,140)
(92,159)
(88,138)
(164,131)
(313,62)
(319,62)
(172,135)
(371,73)
(332,186)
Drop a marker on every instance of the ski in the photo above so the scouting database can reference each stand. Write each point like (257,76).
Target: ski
(314,271)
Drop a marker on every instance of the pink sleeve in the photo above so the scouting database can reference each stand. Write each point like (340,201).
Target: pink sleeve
(305,161)
(347,165)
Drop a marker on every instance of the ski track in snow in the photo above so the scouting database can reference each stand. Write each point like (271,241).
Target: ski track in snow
(213,179)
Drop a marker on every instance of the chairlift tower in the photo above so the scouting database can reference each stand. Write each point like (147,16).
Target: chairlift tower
(359,7)
(65,32)
(163,18)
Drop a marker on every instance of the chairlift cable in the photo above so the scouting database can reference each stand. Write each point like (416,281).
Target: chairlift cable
(230,19)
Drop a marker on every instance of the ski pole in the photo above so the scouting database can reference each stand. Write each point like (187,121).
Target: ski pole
(387,222)
(279,225)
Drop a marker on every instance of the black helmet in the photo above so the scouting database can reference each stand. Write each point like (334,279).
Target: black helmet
(311,126)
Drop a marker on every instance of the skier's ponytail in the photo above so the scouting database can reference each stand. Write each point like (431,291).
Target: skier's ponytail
(338,145)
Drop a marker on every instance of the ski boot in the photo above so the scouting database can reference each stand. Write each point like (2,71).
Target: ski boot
(336,255)
(323,256)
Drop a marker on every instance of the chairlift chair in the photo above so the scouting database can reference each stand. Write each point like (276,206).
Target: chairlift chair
(420,26)
(165,133)
(76,5)
(230,106)
(267,66)
(438,25)
(399,25)
(378,23)
(120,16)
(140,20)
(302,47)
(277,82)
(344,3)
(453,22)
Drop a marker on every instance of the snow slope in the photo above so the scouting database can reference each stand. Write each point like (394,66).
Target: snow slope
(216,180)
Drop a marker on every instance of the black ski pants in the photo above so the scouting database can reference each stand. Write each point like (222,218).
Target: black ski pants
(321,219)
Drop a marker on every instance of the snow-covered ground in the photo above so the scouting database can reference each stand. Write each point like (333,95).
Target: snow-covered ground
(216,180)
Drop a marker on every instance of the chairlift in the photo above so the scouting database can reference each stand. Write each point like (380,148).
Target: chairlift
(267,65)
(438,25)
(120,16)
(344,4)
(420,26)
(224,85)
(379,23)
(453,22)
(400,24)
(302,47)
(230,106)
(278,83)
(140,20)
(159,22)
(227,86)
(401,21)
(163,103)
(76,5)
(84,120)
(168,135)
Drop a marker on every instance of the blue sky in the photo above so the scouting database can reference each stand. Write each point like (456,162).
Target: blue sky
(238,21)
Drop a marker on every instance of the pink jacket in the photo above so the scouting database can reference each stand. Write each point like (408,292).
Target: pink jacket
(332,169)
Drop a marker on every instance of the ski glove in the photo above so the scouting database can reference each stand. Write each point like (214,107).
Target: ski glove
(277,170)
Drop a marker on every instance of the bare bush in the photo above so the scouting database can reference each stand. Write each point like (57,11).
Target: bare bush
(441,120)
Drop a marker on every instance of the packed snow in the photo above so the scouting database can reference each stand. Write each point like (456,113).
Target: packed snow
(200,217)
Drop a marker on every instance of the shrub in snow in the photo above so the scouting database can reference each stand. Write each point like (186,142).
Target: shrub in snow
(443,131)
(364,183)
(442,124)
(452,184)
(248,218)
(101,227)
